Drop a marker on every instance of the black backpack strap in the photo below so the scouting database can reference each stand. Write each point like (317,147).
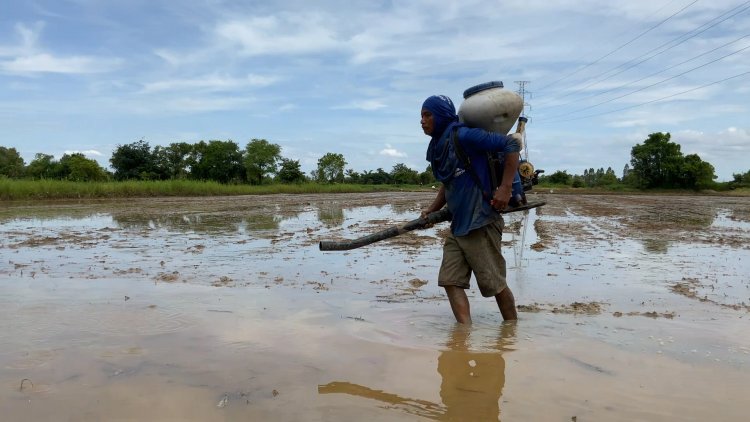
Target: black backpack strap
(461,154)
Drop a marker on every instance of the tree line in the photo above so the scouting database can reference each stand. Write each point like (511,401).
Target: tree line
(656,163)
(221,161)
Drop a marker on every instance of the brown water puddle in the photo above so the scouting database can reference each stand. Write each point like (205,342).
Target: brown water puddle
(632,308)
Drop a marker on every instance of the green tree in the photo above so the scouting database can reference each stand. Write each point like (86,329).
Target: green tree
(290,171)
(607,178)
(589,177)
(740,180)
(162,167)
(179,158)
(351,176)
(261,159)
(330,168)
(217,160)
(173,161)
(559,178)
(598,176)
(43,166)
(696,173)
(133,161)
(403,175)
(426,177)
(657,162)
(81,169)
(11,163)
(378,177)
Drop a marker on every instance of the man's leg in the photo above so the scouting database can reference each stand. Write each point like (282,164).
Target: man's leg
(507,304)
(459,303)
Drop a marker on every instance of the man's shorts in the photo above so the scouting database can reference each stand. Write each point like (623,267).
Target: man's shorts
(478,251)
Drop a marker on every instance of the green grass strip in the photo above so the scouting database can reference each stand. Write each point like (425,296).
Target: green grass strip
(56,189)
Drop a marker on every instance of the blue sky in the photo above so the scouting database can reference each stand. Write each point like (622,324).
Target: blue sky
(350,76)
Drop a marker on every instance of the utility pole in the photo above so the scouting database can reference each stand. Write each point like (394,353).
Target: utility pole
(522,91)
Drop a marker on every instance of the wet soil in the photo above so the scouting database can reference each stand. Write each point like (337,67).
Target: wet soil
(631,308)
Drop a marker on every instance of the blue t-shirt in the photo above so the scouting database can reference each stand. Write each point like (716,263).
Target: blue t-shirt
(465,201)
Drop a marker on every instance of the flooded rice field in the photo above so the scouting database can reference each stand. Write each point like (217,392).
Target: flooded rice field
(203,309)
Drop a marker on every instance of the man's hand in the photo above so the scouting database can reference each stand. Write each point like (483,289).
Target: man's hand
(436,205)
(518,138)
(424,214)
(501,197)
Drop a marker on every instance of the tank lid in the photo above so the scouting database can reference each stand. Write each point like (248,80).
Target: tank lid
(482,87)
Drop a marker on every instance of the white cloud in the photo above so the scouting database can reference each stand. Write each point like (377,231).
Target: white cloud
(50,64)
(280,34)
(90,152)
(210,83)
(209,104)
(189,105)
(28,36)
(182,58)
(367,105)
(725,149)
(24,86)
(389,151)
(28,58)
(727,140)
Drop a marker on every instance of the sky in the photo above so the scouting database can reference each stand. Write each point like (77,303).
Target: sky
(350,77)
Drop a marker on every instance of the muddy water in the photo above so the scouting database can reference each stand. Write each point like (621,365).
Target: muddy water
(632,308)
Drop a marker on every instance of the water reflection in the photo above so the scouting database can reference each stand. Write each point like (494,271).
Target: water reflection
(409,208)
(473,377)
(740,214)
(331,214)
(681,218)
(655,245)
(200,223)
(473,381)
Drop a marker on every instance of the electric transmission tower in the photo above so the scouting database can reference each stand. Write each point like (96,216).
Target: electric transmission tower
(523,92)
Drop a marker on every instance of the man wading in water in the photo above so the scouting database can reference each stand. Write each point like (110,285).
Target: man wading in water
(477,226)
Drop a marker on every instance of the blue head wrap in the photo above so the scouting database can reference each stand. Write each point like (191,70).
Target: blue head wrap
(441,155)
(443,113)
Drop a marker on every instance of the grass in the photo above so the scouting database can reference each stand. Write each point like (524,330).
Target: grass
(57,189)
(624,189)
(738,192)
(11,189)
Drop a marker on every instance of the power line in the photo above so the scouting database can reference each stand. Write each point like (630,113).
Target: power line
(656,73)
(598,78)
(620,47)
(652,101)
(654,84)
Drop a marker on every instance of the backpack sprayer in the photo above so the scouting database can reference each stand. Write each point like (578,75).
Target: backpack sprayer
(490,107)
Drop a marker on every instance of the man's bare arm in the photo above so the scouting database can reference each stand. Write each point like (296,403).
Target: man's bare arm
(437,203)
(501,197)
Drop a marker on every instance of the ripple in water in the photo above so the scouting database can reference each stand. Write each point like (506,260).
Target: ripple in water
(144,322)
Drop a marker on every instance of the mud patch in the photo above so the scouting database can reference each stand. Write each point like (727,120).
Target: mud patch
(543,234)
(651,314)
(588,308)
(688,287)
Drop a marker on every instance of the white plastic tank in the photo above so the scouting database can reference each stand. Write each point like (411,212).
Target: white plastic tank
(491,107)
